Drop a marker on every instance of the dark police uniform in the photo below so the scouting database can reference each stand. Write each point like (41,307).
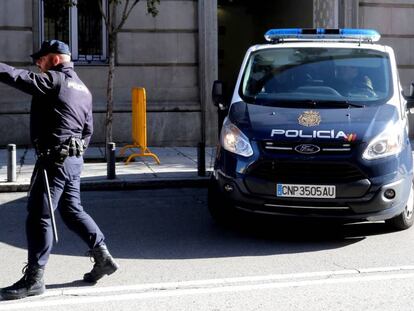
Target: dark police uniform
(60,126)
(61,110)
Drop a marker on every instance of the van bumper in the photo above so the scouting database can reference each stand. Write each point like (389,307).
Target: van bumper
(372,205)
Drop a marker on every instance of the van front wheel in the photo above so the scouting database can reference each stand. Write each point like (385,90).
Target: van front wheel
(219,207)
(406,219)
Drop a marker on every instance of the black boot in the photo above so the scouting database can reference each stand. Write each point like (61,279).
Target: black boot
(104,264)
(31,284)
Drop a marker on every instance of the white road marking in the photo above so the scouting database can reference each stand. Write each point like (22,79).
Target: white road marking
(79,296)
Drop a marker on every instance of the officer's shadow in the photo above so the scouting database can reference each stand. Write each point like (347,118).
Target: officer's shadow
(76,283)
(175,224)
(155,225)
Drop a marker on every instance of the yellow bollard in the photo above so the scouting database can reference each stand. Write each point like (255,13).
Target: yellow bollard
(139,126)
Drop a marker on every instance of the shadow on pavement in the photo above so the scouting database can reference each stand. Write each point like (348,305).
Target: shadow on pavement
(76,283)
(175,224)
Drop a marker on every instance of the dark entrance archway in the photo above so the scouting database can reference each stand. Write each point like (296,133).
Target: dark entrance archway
(242,23)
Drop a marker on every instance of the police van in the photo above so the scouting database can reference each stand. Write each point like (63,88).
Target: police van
(317,127)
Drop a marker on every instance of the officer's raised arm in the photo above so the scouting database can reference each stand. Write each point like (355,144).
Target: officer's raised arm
(27,81)
(51,54)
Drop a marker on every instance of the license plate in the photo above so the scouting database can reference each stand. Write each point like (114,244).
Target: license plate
(305,191)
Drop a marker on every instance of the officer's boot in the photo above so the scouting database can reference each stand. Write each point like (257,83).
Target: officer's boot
(31,284)
(104,264)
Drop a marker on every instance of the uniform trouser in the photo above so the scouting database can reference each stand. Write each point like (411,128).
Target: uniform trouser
(64,182)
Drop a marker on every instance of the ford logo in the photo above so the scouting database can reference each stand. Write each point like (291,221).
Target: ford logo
(307,149)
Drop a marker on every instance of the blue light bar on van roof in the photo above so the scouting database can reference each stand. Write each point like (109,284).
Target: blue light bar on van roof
(323,34)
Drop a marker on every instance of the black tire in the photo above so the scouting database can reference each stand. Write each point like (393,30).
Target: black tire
(406,219)
(221,210)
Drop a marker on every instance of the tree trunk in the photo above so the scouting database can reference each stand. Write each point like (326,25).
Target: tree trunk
(110,90)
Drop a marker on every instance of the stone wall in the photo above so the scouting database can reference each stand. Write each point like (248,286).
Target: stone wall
(325,13)
(15,46)
(174,56)
(160,54)
(394,20)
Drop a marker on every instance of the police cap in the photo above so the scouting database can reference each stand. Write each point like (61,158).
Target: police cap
(51,46)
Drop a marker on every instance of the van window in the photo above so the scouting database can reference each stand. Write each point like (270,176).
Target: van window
(318,74)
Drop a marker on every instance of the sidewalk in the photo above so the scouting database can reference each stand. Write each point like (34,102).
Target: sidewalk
(178,168)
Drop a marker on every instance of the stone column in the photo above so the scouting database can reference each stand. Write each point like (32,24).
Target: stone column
(348,13)
(208,67)
(325,13)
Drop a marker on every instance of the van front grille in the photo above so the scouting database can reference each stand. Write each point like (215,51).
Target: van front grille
(306,172)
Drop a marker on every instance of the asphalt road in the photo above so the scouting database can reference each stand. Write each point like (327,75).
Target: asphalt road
(173,257)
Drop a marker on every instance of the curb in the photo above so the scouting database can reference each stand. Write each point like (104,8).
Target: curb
(197,182)
(119,184)
(14,187)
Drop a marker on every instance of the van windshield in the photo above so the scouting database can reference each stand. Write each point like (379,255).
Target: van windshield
(286,76)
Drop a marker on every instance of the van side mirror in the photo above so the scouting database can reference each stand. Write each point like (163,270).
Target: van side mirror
(410,97)
(218,94)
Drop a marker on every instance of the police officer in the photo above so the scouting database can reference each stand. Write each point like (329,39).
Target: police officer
(60,126)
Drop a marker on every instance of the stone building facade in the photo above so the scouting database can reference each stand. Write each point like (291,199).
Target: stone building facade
(178,54)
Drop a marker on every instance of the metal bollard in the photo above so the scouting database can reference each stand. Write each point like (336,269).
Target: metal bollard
(201,159)
(11,163)
(110,159)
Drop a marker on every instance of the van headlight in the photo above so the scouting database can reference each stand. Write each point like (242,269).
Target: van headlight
(233,140)
(386,144)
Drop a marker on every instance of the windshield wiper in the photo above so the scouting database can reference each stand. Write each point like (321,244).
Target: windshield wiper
(288,102)
(355,105)
(329,103)
(341,103)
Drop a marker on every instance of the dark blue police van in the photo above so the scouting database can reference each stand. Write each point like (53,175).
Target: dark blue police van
(317,127)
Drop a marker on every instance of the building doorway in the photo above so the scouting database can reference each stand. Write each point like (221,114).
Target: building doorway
(242,23)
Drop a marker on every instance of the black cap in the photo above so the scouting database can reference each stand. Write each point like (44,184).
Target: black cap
(51,46)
